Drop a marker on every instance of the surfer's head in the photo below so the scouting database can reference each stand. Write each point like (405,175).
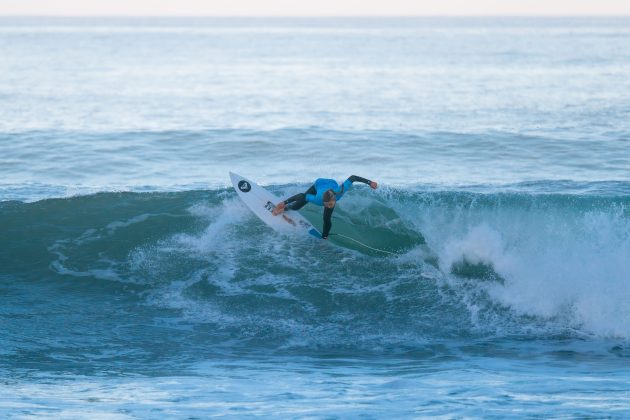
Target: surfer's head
(329,199)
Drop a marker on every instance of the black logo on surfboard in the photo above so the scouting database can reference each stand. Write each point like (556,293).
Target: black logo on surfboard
(244,186)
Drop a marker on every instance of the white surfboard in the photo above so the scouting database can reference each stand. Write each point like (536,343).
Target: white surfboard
(262,203)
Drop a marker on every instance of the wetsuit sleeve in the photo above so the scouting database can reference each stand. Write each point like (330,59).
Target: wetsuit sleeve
(309,196)
(296,197)
(327,221)
(354,178)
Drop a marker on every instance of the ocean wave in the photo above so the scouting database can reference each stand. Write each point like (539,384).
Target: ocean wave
(463,264)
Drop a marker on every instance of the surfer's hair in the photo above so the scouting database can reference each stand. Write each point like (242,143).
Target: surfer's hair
(328,195)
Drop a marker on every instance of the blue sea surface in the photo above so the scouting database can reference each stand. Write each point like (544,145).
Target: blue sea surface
(135,284)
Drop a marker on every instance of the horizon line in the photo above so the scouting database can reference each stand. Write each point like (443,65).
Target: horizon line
(340,16)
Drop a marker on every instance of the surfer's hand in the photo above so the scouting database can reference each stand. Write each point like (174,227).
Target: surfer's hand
(279,209)
(373,185)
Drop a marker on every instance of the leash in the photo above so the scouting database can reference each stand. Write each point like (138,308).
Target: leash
(364,245)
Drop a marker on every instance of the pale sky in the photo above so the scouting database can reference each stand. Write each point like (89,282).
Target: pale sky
(314,7)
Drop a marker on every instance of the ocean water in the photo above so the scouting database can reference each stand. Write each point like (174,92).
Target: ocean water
(135,284)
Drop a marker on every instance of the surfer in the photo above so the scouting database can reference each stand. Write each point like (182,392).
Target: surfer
(324,192)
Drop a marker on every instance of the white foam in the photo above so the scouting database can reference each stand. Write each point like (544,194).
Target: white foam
(567,266)
(481,244)
(230,213)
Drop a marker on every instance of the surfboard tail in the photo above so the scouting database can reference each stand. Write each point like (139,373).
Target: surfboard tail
(315,233)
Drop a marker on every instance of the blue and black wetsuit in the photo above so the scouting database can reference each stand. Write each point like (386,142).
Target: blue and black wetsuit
(315,195)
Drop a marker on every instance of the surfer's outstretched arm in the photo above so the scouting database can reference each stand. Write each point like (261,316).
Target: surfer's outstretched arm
(297,201)
(355,178)
(297,198)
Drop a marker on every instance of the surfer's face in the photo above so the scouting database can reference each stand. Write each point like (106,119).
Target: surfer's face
(330,204)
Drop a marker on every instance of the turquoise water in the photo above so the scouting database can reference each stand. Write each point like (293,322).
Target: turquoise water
(135,284)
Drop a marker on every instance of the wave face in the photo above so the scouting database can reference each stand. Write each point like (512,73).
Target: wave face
(198,270)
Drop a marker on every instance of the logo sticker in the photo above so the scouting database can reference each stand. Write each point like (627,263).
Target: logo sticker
(244,186)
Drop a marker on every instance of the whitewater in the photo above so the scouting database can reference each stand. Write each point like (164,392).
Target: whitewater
(135,284)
